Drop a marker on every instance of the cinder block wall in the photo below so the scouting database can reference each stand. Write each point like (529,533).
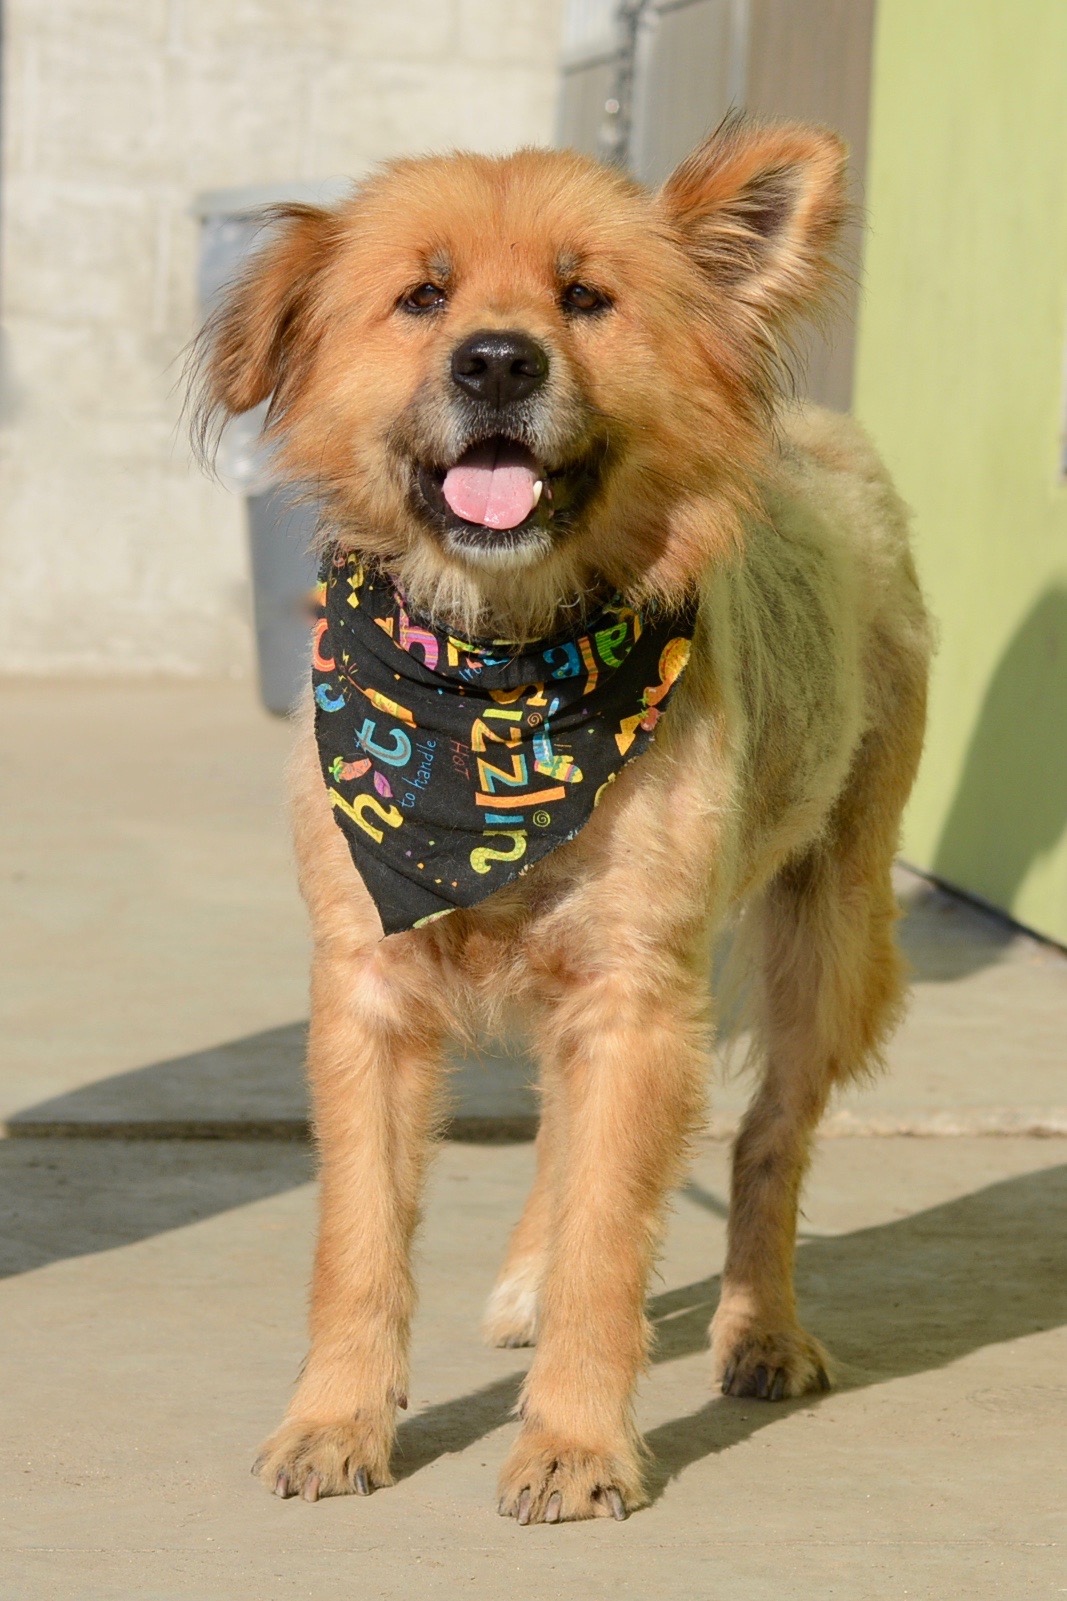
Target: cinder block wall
(115,554)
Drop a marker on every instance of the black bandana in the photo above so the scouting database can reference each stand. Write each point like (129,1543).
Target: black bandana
(452,765)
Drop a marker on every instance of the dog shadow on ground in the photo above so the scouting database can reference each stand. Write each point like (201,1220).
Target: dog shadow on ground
(946,938)
(900,1298)
(903,1297)
(65,1198)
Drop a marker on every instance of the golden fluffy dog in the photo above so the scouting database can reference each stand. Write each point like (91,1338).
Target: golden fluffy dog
(633,360)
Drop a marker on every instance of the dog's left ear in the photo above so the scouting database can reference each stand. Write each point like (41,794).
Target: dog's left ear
(759,208)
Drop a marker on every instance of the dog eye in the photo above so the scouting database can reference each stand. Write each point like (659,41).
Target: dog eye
(579,297)
(427,297)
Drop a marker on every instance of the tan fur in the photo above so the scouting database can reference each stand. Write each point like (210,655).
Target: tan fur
(771,796)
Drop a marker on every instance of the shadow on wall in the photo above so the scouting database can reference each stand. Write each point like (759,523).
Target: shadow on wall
(1010,806)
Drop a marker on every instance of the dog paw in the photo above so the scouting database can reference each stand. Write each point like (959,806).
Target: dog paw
(511,1312)
(545,1481)
(317,1459)
(772,1365)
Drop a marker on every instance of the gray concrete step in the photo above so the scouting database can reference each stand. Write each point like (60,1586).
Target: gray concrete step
(154,962)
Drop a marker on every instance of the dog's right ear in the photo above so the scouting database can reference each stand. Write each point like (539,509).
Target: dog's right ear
(261,339)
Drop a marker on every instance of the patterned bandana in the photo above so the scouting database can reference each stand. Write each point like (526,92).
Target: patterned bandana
(453,765)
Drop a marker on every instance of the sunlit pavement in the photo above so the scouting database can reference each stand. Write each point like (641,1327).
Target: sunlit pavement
(154,983)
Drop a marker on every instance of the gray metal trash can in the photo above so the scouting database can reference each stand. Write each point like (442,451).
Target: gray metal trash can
(280,527)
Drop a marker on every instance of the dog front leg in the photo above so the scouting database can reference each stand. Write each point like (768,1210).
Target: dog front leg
(374,1062)
(627,1064)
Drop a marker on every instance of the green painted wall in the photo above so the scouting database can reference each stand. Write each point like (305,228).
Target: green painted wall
(960,378)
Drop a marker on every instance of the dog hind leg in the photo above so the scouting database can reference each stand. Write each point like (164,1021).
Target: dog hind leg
(833,987)
(511,1312)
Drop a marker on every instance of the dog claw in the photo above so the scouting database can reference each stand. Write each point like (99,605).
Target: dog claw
(761,1377)
(281,1486)
(616,1504)
(554,1508)
(311,1488)
(257,1465)
(824,1379)
(362,1485)
(728,1377)
(778,1387)
(525,1503)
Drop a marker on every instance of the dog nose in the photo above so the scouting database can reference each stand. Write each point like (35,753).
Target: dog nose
(499,366)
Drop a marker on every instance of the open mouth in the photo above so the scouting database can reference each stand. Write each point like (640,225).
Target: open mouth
(498,501)
(497,485)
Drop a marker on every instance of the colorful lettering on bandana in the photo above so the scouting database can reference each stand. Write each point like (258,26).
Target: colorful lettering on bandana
(453,765)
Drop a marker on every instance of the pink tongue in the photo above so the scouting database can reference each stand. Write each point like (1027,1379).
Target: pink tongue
(493,485)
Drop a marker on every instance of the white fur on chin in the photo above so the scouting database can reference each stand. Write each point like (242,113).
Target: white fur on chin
(523,554)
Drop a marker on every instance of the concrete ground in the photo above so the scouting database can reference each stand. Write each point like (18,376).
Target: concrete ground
(153,1286)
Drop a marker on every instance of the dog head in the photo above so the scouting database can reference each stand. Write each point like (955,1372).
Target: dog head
(514,381)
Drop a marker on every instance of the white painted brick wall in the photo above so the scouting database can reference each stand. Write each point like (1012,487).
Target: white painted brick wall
(115,554)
